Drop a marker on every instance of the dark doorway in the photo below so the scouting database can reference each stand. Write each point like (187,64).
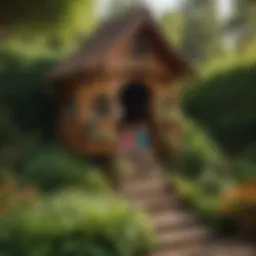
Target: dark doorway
(135,101)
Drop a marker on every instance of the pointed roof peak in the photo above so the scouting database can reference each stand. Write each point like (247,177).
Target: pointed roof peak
(105,36)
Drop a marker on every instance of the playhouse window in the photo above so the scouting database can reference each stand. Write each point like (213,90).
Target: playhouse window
(101,106)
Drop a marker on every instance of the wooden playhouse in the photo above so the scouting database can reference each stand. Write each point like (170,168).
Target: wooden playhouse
(126,65)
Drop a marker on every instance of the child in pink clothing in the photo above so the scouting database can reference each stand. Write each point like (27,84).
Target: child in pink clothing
(127,141)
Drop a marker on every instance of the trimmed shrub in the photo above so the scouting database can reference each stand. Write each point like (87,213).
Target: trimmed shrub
(55,168)
(74,223)
(23,69)
(200,154)
(224,102)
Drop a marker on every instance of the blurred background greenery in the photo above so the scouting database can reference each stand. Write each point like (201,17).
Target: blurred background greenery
(219,147)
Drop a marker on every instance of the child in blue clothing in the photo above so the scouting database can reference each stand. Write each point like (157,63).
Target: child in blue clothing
(143,137)
(143,154)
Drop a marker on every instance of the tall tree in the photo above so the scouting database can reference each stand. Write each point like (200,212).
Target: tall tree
(60,16)
(211,23)
(243,22)
(200,31)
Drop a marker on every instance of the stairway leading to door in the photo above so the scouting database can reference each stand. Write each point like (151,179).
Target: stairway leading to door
(179,233)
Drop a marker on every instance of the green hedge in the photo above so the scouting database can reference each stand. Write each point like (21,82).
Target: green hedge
(23,86)
(199,153)
(74,223)
(54,168)
(224,101)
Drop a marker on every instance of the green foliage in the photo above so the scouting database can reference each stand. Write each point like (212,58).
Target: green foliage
(205,203)
(16,145)
(26,93)
(224,102)
(243,22)
(72,223)
(244,170)
(63,17)
(67,223)
(200,34)
(53,169)
(229,62)
(29,111)
(9,132)
(200,153)
(24,106)
(203,174)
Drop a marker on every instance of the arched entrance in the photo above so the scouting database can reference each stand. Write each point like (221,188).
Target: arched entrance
(135,100)
(135,104)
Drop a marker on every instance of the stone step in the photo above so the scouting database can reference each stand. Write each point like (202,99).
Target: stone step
(178,239)
(208,249)
(144,187)
(140,176)
(193,250)
(153,195)
(173,220)
(157,203)
(155,199)
(234,248)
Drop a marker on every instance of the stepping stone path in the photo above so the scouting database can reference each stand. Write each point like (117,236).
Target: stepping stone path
(179,232)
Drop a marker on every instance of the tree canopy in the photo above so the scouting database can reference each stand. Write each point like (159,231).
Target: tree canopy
(201,29)
(59,16)
(243,21)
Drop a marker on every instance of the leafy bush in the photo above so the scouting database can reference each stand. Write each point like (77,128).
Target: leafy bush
(224,102)
(249,153)
(16,145)
(55,168)
(72,223)
(244,170)
(13,197)
(206,204)
(200,153)
(203,174)
(9,132)
(24,70)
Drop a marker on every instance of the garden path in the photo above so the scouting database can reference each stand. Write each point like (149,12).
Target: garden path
(179,232)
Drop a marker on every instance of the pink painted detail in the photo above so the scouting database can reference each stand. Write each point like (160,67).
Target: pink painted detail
(127,140)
